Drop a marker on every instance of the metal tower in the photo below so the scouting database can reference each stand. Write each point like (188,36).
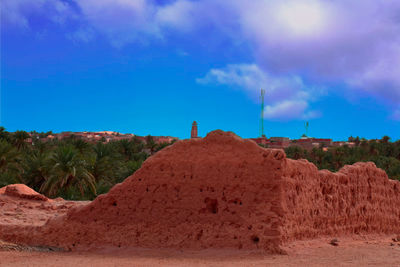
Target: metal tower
(306,125)
(262,113)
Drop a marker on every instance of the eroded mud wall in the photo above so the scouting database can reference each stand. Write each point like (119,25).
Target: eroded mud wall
(217,192)
(359,199)
(225,192)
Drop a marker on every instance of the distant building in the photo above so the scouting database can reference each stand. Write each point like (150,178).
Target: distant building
(193,133)
(304,142)
(310,143)
(279,142)
(273,142)
(104,136)
(261,141)
(343,143)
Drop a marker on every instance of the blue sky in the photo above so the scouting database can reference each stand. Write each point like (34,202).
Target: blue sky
(152,67)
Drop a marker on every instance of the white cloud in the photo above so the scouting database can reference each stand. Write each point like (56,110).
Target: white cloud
(17,12)
(286,96)
(179,15)
(82,35)
(121,21)
(354,43)
(246,76)
(290,109)
(11,13)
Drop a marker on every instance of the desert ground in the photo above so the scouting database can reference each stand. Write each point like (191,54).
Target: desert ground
(379,251)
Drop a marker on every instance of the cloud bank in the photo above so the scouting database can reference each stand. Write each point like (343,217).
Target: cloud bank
(352,43)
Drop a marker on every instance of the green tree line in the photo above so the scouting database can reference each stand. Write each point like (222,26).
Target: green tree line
(70,168)
(384,153)
(74,169)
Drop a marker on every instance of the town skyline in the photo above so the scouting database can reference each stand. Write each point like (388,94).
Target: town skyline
(153,68)
(305,142)
(201,134)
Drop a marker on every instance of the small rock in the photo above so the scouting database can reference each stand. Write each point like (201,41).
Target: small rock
(334,242)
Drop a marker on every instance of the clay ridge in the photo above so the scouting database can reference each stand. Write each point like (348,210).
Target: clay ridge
(225,192)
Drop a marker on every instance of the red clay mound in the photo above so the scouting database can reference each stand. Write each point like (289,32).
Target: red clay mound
(22,191)
(226,192)
(220,192)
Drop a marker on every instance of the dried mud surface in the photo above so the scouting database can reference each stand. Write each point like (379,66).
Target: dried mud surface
(359,199)
(21,206)
(219,192)
(350,252)
(22,191)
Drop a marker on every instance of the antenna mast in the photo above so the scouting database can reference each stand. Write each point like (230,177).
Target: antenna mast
(262,113)
(306,126)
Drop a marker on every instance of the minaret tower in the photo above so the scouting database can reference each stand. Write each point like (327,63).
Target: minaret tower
(193,133)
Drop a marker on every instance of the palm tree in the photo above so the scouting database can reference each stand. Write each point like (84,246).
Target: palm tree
(128,169)
(338,158)
(81,145)
(103,165)
(316,156)
(357,141)
(67,170)
(295,152)
(373,148)
(385,139)
(125,147)
(4,134)
(138,145)
(10,167)
(41,147)
(151,144)
(36,168)
(19,139)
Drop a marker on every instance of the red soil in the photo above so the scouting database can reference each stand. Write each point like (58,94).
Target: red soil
(22,191)
(376,252)
(225,192)
(25,209)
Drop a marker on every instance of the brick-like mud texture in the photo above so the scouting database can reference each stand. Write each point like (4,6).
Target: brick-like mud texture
(224,192)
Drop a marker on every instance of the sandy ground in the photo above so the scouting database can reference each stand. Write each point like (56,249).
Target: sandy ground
(383,252)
